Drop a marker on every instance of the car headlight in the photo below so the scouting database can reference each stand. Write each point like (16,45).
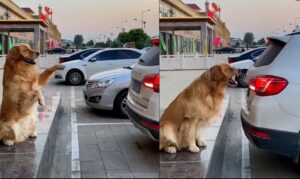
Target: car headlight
(102,84)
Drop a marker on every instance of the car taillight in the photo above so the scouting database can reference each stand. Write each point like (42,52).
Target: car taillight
(155,42)
(267,85)
(258,134)
(61,60)
(152,82)
(149,125)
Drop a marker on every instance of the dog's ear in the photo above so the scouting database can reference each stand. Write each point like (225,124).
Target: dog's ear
(14,53)
(217,73)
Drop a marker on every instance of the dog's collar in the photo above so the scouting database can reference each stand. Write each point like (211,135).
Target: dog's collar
(29,61)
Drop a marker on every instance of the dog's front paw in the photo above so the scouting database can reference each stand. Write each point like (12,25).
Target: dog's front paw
(201,143)
(33,135)
(171,150)
(8,142)
(58,67)
(194,149)
(41,101)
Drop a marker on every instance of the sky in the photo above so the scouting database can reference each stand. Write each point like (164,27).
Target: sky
(262,17)
(96,18)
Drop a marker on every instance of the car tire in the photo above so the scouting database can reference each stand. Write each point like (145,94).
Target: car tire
(74,77)
(241,80)
(120,104)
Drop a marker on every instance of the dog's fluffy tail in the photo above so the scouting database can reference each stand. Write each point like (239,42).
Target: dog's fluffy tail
(167,137)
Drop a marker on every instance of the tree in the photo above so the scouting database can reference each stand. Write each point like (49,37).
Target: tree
(138,36)
(90,43)
(249,38)
(262,41)
(78,40)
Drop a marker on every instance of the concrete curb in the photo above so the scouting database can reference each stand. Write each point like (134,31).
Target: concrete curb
(214,168)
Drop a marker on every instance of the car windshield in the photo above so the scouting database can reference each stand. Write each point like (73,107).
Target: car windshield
(250,51)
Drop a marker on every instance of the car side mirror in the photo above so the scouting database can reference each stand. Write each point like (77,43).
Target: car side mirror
(92,60)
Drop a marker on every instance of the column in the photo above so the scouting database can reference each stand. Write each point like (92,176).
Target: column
(204,46)
(36,39)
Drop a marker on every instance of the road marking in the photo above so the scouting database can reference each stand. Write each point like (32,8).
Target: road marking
(246,172)
(75,162)
(103,124)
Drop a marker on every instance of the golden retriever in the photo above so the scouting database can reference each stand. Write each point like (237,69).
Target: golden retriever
(22,83)
(194,108)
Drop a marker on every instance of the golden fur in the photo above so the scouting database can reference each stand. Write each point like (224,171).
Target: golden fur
(22,83)
(194,108)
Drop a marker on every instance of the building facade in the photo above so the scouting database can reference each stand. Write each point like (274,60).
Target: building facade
(187,29)
(22,25)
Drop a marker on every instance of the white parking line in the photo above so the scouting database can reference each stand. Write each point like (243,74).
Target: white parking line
(103,124)
(75,162)
(246,172)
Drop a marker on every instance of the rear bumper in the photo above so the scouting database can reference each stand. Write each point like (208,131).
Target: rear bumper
(280,142)
(139,122)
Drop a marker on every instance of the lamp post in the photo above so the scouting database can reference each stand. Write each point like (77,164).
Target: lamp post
(122,25)
(283,30)
(296,26)
(143,24)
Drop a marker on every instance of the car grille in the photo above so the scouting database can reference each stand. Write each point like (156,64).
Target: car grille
(89,84)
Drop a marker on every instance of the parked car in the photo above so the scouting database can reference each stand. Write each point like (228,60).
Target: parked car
(247,55)
(78,71)
(108,90)
(225,50)
(271,116)
(78,55)
(143,93)
(57,51)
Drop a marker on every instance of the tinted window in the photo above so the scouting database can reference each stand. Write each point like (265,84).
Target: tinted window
(106,55)
(127,54)
(269,54)
(151,58)
(87,53)
(257,53)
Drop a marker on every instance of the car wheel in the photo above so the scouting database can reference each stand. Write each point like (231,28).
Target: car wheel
(120,104)
(74,77)
(241,80)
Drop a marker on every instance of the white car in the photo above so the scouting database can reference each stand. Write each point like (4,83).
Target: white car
(143,94)
(78,71)
(271,116)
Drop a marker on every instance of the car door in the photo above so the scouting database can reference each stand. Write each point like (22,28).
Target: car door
(103,62)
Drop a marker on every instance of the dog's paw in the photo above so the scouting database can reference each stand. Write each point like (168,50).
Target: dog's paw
(171,150)
(194,149)
(8,142)
(41,101)
(33,135)
(201,143)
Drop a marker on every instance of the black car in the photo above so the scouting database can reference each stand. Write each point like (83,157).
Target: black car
(225,50)
(78,55)
(57,51)
(248,55)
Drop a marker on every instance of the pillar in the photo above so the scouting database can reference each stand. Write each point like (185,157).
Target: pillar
(204,46)
(36,39)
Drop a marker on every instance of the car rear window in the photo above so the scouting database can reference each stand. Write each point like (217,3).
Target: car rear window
(151,58)
(271,52)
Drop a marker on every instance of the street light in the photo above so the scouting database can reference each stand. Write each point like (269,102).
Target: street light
(296,22)
(123,29)
(143,24)
(284,31)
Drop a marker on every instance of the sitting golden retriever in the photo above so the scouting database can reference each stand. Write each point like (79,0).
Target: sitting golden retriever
(22,83)
(194,108)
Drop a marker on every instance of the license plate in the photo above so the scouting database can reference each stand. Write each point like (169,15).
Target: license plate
(136,86)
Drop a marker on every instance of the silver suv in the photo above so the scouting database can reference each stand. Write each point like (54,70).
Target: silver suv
(143,93)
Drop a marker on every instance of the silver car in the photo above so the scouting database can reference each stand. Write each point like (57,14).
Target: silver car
(108,90)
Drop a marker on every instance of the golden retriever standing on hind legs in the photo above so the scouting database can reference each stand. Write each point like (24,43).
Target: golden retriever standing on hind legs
(194,108)
(22,83)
